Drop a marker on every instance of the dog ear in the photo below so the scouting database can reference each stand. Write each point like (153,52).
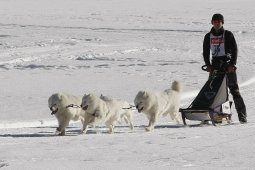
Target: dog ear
(102,96)
(145,94)
(60,96)
(141,93)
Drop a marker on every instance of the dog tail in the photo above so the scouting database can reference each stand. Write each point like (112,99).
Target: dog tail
(176,86)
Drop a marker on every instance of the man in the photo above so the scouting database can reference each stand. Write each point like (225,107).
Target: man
(223,49)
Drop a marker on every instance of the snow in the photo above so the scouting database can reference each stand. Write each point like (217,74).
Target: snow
(117,48)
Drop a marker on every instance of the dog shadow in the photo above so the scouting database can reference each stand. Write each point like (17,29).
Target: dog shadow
(76,131)
(49,133)
(26,135)
(35,135)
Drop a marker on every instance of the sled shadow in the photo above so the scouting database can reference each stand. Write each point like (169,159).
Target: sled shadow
(169,126)
(197,125)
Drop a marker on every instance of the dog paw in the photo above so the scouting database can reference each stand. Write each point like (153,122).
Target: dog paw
(132,128)
(57,132)
(61,134)
(148,129)
(83,131)
(110,132)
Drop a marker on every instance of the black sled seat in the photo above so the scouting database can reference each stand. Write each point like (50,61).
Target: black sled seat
(211,103)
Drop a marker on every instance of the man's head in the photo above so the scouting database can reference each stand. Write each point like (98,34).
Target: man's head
(217,21)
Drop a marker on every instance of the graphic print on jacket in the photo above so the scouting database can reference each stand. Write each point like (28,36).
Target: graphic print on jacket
(217,45)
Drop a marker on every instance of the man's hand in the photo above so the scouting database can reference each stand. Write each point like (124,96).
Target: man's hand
(231,68)
(209,68)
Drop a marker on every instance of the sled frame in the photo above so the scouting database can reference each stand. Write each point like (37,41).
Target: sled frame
(207,113)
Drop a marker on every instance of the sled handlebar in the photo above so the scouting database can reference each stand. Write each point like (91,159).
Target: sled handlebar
(204,67)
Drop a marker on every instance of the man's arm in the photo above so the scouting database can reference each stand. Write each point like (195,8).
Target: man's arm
(206,49)
(233,49)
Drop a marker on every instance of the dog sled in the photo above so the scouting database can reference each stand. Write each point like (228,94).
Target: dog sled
(211,103)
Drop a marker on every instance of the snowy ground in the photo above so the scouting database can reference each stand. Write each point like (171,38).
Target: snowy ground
(117,47)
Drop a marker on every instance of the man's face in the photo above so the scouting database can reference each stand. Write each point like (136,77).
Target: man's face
(217,24)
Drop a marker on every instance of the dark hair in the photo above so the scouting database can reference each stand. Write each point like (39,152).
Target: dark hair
(218,17)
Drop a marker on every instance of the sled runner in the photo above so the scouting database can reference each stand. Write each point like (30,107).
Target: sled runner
(211,103)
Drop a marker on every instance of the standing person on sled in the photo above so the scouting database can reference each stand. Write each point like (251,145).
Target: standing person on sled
(224,55)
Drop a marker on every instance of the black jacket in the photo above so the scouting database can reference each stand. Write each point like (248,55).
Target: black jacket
(230,45)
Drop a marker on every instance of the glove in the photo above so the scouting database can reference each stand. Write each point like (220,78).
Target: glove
(209,68)
(231,68)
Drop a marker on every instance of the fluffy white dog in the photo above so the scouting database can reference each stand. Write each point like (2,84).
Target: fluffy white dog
(65,107)
(105,110)
(155,104)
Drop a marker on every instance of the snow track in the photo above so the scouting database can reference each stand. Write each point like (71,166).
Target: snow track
(249,82)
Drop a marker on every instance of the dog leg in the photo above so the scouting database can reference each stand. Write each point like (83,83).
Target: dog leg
(58,132)
(85,124)
(110,125)
(174,116)
(129,119)
(151,123)
(63,123)
(111,129)
(131,125)
(62,126)
(82,120)
(177,118)
(84,128)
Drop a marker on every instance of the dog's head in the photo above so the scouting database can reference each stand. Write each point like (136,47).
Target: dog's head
(141,101)
(89,102)
(94,107)
(54,103)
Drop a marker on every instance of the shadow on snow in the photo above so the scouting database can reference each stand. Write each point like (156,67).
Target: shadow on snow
(75,131)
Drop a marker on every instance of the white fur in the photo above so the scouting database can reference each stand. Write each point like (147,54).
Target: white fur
(155,104)
(58,102)
(105,110)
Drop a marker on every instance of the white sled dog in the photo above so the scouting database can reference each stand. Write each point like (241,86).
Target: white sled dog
(155,104)
(65,107)
(105,110)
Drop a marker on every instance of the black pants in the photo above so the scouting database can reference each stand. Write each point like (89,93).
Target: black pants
(238,100)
